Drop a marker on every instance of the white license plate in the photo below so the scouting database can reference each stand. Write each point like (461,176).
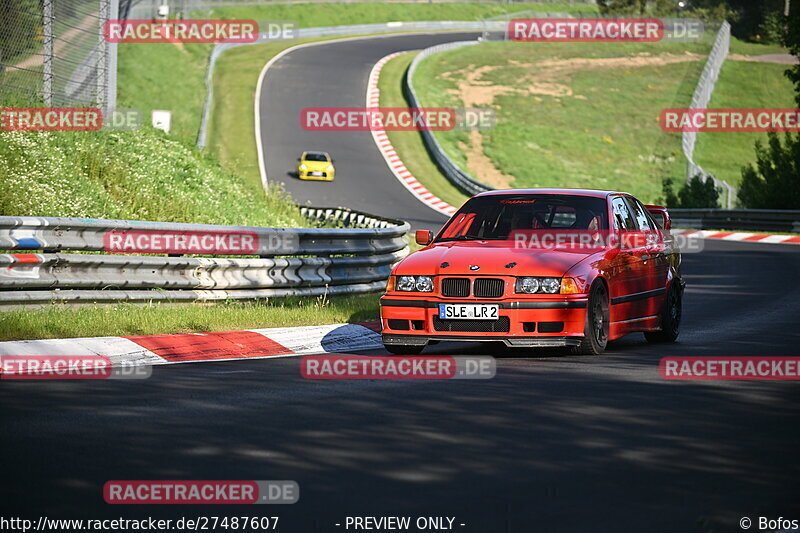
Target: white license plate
(315,173)
(469,312)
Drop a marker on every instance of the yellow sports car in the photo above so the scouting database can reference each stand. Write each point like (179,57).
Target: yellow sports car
(315,166)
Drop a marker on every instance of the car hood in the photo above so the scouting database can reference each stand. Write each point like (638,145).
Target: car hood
(494,258)
(316,165)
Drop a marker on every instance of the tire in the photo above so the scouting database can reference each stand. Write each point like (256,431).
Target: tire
(404,349)
(670,317)
(595,332)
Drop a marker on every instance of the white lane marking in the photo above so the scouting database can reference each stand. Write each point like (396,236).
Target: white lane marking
(118,349)
(390,155)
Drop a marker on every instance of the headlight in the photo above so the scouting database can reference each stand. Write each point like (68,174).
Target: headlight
(538,285)
(550,285)
(329,168)
(406,283)
(527,285)
(415,283)
(424,283)
(303,167)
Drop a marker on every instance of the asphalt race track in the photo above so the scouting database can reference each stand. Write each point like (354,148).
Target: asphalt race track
(554,443)
(335,75)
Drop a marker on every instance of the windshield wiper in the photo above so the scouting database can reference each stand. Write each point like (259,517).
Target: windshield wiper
(469,238)
(461,238)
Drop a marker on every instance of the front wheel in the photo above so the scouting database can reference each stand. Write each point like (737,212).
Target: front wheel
(670,317)
(595,332)
(404,349)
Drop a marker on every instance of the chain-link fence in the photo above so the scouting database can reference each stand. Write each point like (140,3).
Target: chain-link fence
(700,99)
(52,52)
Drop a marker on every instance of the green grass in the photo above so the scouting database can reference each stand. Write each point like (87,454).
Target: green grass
(609,138)
(742,84)
(165,76)
(755,49)
(60,321)
(308,16)
(132,175)
(408,144)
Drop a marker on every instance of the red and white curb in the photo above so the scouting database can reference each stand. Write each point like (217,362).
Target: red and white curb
(739,236)
(197,347)
(390,155)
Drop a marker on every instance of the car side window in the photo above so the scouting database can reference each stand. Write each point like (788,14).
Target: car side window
(639,213)
(622,215)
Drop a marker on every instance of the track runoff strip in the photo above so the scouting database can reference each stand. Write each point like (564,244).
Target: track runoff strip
(740,236)
(204,347)
(390,155)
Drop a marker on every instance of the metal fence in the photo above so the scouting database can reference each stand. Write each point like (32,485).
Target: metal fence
(449,168)
(52,52)
(770,220)
(355,258)
(700,99)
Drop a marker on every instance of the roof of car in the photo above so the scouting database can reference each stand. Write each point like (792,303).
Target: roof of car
(578,192)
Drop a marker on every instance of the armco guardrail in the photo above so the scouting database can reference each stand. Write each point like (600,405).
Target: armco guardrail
(355,258)
(784,221)
(327,31)
(496,26)
(452,172)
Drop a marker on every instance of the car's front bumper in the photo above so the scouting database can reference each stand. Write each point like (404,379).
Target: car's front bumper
(529,342)
(306,175)
(551,321)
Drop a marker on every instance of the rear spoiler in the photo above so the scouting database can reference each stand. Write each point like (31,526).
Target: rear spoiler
(661,215)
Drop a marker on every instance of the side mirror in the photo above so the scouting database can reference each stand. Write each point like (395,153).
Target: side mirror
(423,237)
(661,215)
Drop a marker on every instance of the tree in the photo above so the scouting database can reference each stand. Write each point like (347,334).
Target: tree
(774,183)
(698,193)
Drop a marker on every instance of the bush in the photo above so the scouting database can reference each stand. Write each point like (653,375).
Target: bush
(774,183)
(698,193)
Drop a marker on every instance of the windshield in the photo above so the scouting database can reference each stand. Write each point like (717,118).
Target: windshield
(499,217)
(315,156)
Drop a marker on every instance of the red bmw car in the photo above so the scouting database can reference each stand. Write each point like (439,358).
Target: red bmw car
(538,268)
